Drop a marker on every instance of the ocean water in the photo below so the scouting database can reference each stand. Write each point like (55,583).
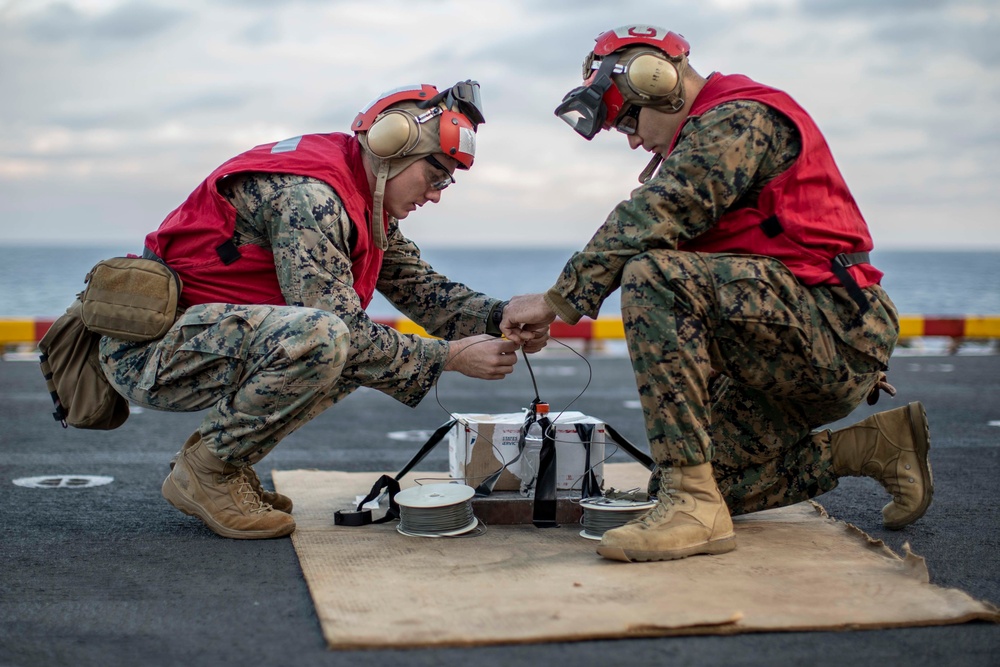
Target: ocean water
(40,281)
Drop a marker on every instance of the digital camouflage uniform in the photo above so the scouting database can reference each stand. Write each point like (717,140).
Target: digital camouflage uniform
(263,371)
(736,362)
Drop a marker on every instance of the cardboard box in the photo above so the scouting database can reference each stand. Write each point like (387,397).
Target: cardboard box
(480,444)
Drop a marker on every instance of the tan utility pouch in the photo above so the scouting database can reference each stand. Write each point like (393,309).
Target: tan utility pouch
(131,298)
(71,364)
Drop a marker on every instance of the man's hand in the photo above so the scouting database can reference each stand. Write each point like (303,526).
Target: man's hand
(526,321)
(541,339)
(483,357)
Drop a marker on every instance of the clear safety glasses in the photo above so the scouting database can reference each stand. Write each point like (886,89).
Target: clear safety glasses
(444,182)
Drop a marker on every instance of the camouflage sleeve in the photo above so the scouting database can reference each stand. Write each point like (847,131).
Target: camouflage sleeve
(304,222)
(721,159)
(443,307)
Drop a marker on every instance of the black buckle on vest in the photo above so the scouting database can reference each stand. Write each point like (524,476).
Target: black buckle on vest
(839,267)
(228,252)
(771,227)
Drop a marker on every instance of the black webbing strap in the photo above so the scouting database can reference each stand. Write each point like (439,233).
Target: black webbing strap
(543,513)
(629,448)
(391,484)
(60,413)
(545,504)
(771,227)
(839,266)
(485,487)
(589,487)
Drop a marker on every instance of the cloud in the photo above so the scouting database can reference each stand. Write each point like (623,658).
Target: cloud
(108,102)
(131,22)
(920,28)
(827,8)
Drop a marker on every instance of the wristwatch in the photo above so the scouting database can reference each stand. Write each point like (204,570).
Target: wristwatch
(494,319)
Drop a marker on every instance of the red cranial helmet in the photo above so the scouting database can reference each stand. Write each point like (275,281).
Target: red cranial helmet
(671,43)
(635,64)
(418,120)
(407,124)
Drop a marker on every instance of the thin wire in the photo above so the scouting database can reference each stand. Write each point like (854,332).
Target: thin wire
(435,519)
(586,472)
(590,377)
(432,521)
(596,521)
(532,374)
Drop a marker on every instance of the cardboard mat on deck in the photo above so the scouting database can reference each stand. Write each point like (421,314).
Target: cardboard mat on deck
(794,569)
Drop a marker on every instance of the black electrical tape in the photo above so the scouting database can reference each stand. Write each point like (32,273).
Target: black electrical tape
(352,518)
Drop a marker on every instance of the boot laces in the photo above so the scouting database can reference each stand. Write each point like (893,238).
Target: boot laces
(253,479)
(258,486)
(666,497)
(248,493)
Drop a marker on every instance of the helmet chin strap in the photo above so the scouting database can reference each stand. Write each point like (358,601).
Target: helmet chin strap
(377,226)
(651,168)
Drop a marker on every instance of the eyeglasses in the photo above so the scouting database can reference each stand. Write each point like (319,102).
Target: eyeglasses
(628,122)
(444,182)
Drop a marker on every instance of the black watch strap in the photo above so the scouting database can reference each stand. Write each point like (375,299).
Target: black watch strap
(495,318)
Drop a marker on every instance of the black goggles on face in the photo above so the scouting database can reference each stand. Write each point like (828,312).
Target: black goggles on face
(583,107)
(464,96)
(628,122)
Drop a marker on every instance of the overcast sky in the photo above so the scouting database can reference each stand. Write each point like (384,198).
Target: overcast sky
(112,112)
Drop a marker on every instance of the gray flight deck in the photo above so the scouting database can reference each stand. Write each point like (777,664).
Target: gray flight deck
(112,575)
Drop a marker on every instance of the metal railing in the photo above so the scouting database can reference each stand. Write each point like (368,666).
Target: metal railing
(28,331)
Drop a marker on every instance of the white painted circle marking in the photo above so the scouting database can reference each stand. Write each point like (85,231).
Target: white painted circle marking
(63,481)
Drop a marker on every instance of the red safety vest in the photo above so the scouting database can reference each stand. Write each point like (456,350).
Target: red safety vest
(196,239)
(805,216)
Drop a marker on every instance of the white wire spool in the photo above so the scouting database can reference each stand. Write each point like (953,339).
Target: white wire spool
(436,510)
(602,514)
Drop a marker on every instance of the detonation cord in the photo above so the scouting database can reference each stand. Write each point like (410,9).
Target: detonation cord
(435,520)
(537,399)
(598,519)
(455,520)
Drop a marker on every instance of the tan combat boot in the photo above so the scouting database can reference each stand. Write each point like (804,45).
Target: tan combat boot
(272,498)
(890,447)
(690,518)
(221,495)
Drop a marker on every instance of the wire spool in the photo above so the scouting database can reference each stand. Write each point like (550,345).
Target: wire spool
(436,510)
(602,514)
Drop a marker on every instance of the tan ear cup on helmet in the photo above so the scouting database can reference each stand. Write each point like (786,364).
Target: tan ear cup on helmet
(393,134)
(651,75)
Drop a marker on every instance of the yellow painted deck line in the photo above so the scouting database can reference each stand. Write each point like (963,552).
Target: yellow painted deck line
(25,331)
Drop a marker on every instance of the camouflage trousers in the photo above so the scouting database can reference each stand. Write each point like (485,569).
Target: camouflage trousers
(261,371)
(736,365)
